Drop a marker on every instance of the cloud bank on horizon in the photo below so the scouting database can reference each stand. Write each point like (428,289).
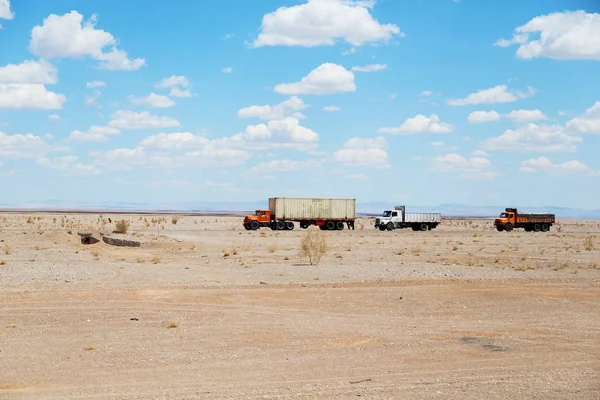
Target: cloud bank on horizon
(319,98)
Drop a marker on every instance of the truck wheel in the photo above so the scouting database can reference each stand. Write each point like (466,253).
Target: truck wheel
(254,225)
(339,226)
(499,228)
(424,227)
(382,228)
(289,226)
(508,227)
(330,225)
(280,225)
(247,227)
(537,227)
(390,226)
(544,227)
(303,225)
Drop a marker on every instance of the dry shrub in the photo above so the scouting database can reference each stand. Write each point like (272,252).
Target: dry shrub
(272,248)
(174,220)
(7,250)
(588,243)
(122,226)
(156,260)
(313,245)
(173,325)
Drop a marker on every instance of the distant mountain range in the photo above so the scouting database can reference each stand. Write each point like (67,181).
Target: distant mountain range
(369,208)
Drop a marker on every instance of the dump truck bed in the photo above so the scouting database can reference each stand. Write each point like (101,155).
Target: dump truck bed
(422,217)
(535,218)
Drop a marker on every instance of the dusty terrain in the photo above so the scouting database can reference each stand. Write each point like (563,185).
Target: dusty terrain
(206,310)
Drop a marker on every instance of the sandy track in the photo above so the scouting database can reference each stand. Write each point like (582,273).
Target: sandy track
(92,322)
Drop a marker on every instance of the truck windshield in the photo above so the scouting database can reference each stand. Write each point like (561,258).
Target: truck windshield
(260,213)
(504,215)
(387,213)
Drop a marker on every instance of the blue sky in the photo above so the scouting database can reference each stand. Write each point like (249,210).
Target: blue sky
(416,102)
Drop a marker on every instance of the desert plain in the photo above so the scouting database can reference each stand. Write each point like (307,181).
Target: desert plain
(204,309)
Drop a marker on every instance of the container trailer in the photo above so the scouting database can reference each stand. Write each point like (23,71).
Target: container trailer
(327,214)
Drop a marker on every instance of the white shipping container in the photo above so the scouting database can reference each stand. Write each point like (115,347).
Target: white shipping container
(423,217)
(287,208)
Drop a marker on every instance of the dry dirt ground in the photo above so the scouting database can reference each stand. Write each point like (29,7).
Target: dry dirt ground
(206,310)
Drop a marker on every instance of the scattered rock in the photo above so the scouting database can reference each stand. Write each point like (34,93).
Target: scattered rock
(115,241)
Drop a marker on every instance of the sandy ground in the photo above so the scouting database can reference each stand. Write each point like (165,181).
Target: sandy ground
(206,310)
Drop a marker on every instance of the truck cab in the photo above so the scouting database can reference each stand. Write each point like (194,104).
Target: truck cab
(388,220)
(258,219)
(505,218)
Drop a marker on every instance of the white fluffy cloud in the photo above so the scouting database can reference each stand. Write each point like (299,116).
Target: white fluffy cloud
(95,84)
(369,68)
(153,100)
(5,11)
(589,122)
(94,134)
(534,138)
(483,116)
(518,116)
(127,119)
(327,78)
(68,36)
(23,146)
(177,92)
(278,111)
(568,35)
(523,116)
(322,22)
(331,108)
(474,168)
(227,70)
(283,133)
(54,117)
(283,166)
(371,152)
(178,85)
(543,164)
(174,151)
(497,94)
(173,81)
(29,96)
(29,71)
(419,124)
(69,164)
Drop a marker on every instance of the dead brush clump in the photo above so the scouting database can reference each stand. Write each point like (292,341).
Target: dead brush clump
(313,245)
(416,251)
(174,220)
(7,249)
(272,248)
(588,243)
(122,226)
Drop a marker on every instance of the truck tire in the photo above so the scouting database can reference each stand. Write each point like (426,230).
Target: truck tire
(247,227)
(289,226)
(499,228)
(389,226)
(254,225)
(508,227)
(304,225)
(545,227)
(537,227)
(423,227)
(330,225)
(382,228)
(339,226)
(280,225)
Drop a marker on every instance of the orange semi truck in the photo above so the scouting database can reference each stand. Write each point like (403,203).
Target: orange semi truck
(511,219)
(327,214)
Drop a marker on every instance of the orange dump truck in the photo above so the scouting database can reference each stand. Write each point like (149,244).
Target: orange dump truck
(511,219)
(327,214)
